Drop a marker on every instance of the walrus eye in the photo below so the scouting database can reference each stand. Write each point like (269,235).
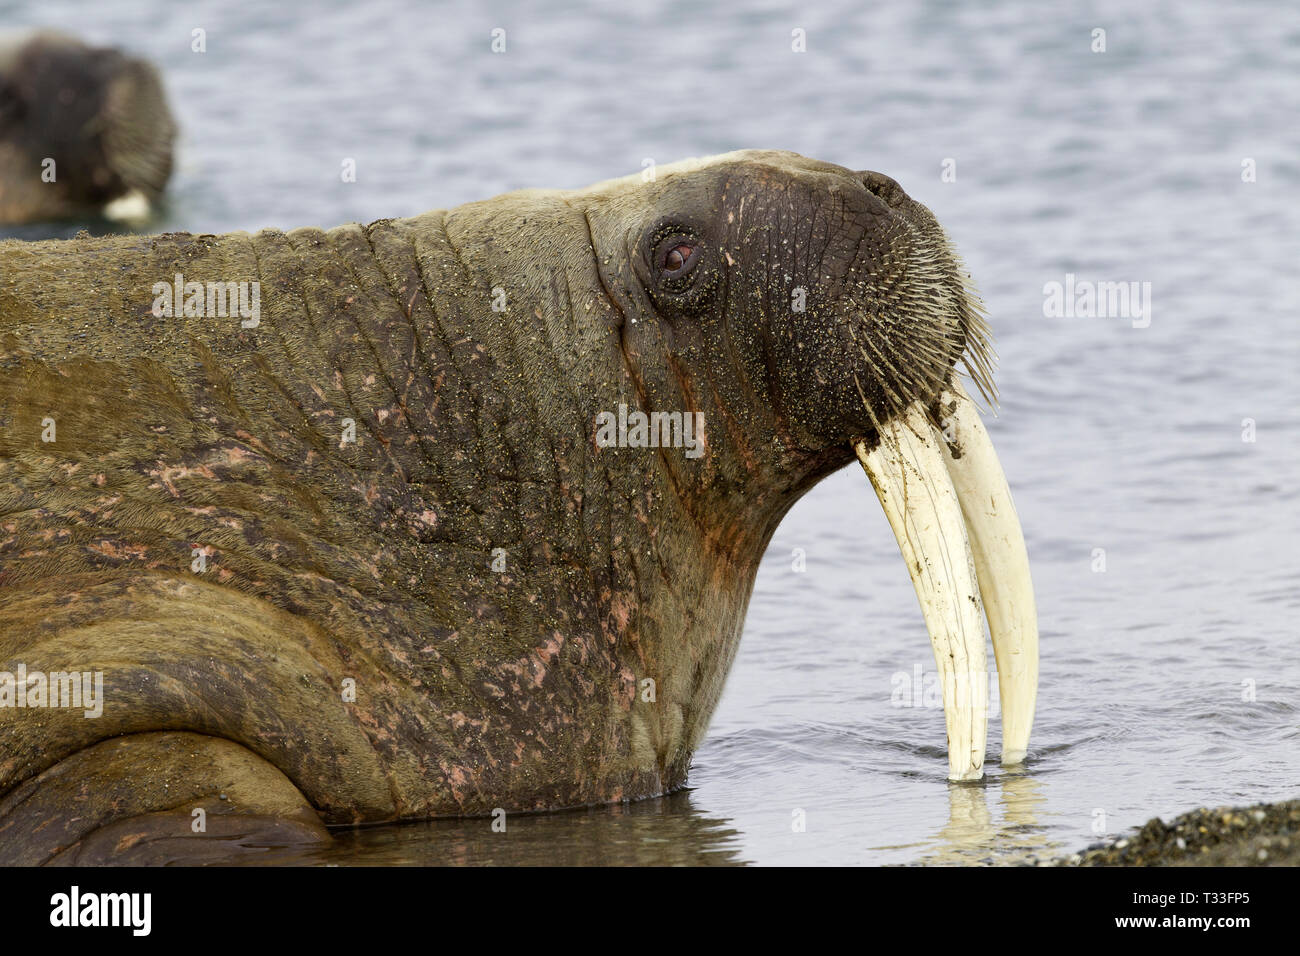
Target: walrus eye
(679,271)
(678,257)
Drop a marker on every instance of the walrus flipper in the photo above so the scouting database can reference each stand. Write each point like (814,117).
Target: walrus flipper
(132,698)
(150,799)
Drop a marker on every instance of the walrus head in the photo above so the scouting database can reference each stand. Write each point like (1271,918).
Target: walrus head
(821,312)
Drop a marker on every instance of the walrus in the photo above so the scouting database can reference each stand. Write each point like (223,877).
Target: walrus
(85,131)
(366,525)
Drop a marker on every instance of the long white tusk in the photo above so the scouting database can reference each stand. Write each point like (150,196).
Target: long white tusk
(1001,562)
(908,471)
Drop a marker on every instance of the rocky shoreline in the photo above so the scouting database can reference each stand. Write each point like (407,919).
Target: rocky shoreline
(1266,834)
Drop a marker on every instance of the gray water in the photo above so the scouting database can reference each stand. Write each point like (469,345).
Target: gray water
(1169,680)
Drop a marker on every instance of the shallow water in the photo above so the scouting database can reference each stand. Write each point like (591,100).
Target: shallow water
(1169,680)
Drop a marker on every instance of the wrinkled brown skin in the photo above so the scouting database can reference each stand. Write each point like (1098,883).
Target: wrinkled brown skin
(476,430)
(100,114)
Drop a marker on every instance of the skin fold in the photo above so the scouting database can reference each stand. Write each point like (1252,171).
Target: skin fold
(348,647)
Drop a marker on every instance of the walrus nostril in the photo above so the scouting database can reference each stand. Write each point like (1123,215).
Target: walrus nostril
(882,186)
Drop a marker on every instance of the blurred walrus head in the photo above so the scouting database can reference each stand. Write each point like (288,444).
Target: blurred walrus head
(84,131)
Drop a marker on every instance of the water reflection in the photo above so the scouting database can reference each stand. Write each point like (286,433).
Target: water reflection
(668,831)
(672,831)
(972,835)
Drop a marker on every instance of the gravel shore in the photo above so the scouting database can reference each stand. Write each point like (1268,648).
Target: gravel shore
(1267,834)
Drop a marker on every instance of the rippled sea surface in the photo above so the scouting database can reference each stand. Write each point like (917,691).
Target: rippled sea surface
(1171,678)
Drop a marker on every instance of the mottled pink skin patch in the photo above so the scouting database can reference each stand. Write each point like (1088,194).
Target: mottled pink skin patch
(550,649)
(532,667)
(459,721)
(458,781)
(120,552)
(628,694)
(620,610)
(168,475)
(234,455)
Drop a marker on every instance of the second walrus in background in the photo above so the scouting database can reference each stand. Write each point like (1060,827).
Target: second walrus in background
(84,131)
